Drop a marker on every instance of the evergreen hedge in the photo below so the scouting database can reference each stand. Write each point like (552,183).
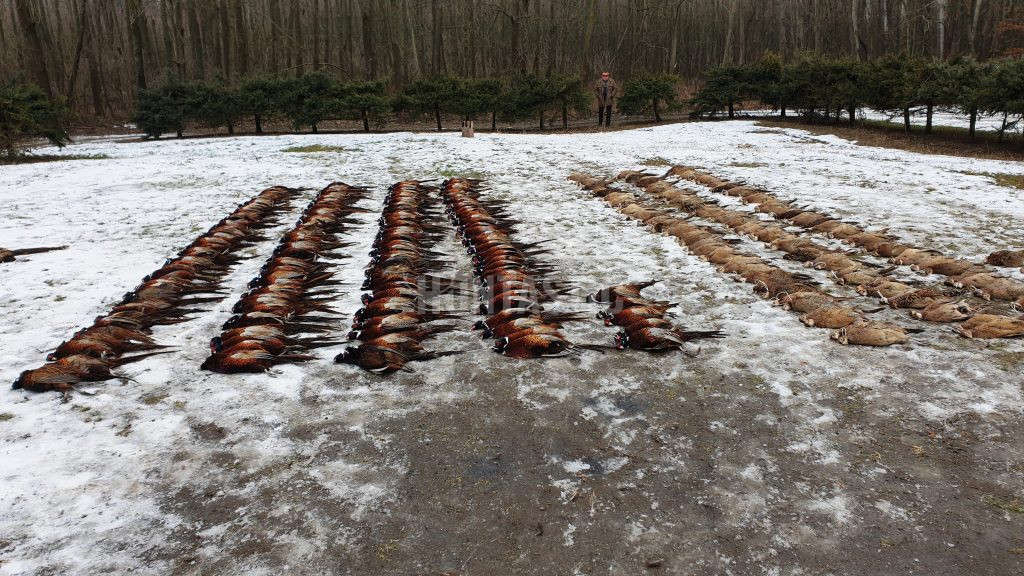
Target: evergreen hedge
(26,112)
(315,97)
(822,87)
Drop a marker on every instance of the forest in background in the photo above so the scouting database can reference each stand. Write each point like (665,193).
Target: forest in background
(97,54)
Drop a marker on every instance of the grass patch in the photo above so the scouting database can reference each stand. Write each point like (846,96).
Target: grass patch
(37,158)
(748,165)
(1007,505)
(1009,180)
(1002,179)
(5,416)
(449,172)
(153,399)
(656,161)
(314,149)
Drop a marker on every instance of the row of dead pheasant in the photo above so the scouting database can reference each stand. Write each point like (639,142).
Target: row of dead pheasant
(819,309)
(507,272)
(289,297)
(962,273)
(932,305)
(166,296)
(394,320)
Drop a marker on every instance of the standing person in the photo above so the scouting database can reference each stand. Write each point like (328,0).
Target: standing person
(606,91)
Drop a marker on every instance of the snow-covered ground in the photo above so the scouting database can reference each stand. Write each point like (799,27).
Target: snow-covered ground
(185,471)
(952,118)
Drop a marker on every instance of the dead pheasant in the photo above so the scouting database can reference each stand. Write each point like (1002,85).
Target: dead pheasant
(11,255)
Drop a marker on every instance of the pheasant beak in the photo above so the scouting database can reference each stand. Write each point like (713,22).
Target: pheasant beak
(621,340)
(501,345)
(347,356)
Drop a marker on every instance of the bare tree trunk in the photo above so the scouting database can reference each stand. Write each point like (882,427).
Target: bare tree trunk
(414,51)
(169,58)
(940,29)
(673,54)
(242,33)
(198,53)
(95,65)
(816,23)
(854,29)
(224,40)
(742,39)
(37,56)
(137,22)
(78,51)
(781,15)
(972,41)
(905,29)
(727,55)
(588,34)
(471,39)
(315,37)
(436,38)
(295,51)
(95,88)
(369,45)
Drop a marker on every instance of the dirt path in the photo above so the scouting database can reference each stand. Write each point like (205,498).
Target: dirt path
(629,471)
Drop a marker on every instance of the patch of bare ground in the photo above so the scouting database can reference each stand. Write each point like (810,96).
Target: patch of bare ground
(944,140)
